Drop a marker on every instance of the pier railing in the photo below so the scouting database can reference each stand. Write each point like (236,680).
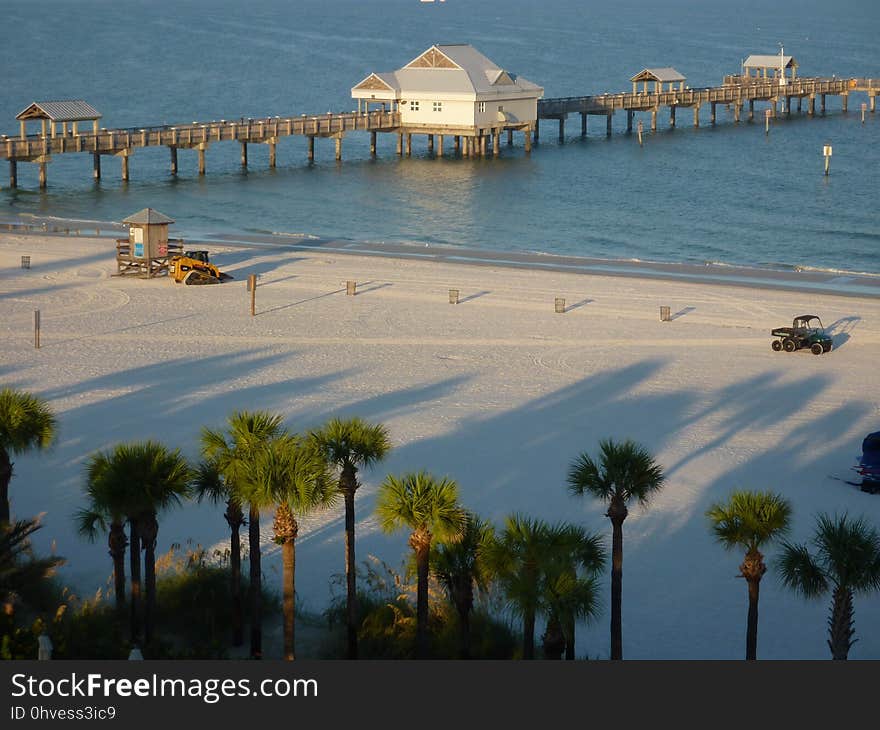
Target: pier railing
(728,93)
(109,141)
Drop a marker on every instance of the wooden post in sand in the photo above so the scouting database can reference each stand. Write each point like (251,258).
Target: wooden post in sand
(665,315)
(350,287)
(560,305)
(453,296)
(37,329)
(252,288)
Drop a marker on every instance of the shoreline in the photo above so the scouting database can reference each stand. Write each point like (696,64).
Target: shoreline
(801,279)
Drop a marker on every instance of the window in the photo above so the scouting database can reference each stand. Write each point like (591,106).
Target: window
(414,106)
(501,108)
(481,107)
(438,106)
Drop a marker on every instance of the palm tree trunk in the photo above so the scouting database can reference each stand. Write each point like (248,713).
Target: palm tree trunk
(149,530)
(617,585)
(569,640)
(5,478)
(234,519)
(256,584)
(134,551)
(117,542)
(529,634)
(422,603)
(752,629)
(554,639)
(288,557)
(351,576)
(840,625)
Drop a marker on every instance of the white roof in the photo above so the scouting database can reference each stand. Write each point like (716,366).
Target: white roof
(453,70)
(758,61)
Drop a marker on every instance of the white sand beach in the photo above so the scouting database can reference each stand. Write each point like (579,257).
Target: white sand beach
(499,392)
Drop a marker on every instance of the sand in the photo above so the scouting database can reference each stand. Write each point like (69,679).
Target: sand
(499,392)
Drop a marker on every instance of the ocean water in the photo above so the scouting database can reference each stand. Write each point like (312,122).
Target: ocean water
(727,194)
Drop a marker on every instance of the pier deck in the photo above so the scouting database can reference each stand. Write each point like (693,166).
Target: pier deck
(735,91)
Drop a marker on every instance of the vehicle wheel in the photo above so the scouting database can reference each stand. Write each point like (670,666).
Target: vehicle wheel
(827,348)
(816,348)
(788,345)
(776,345)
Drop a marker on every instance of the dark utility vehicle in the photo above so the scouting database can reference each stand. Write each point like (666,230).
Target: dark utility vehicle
(806,331)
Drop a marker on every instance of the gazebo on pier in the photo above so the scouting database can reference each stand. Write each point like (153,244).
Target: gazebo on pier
(775,65)
(72,111)
(659,77)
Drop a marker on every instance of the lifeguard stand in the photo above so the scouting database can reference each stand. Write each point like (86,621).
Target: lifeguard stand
(147,251)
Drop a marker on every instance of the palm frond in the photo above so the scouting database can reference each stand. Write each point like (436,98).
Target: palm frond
(26,422)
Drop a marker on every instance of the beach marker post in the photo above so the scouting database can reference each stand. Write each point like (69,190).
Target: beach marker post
(453,296)
(560,305)
(252,288)
(826,151)
(350,288)
(665,314)
(25,262)
(37,329)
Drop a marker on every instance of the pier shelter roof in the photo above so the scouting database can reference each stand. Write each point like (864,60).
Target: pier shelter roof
(769,62)
(70,110)
(663,75)
(446,71)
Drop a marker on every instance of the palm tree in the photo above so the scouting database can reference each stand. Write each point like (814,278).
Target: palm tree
(106,512)
(846,562)
(21,573)
(26,423)
(147,478)
(623,471)
(516,558)
(460,567)
(293,476)
(429,507)
(568,592)
(750,520)
(351,445)
(209,484)
(234,454)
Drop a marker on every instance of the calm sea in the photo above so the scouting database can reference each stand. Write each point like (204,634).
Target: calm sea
(728,194)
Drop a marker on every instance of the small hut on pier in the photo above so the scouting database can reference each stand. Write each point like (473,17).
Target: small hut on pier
(71,111)
(659,76)
(770,67)
(147,251)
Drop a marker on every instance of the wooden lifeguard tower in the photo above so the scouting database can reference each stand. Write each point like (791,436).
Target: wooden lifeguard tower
(658,76)
(147,251)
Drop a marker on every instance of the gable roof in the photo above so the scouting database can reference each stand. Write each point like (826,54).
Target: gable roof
(147,216)
(69,110)
(379,82)
(759,61)
(449,69)
(667,74)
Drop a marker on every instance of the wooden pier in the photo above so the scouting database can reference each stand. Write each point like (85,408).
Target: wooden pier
(735,92)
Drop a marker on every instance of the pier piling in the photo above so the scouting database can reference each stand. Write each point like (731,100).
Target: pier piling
(608,124)
(96,166)
(13,174)
(244,161)
(272,146)
(311,152)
